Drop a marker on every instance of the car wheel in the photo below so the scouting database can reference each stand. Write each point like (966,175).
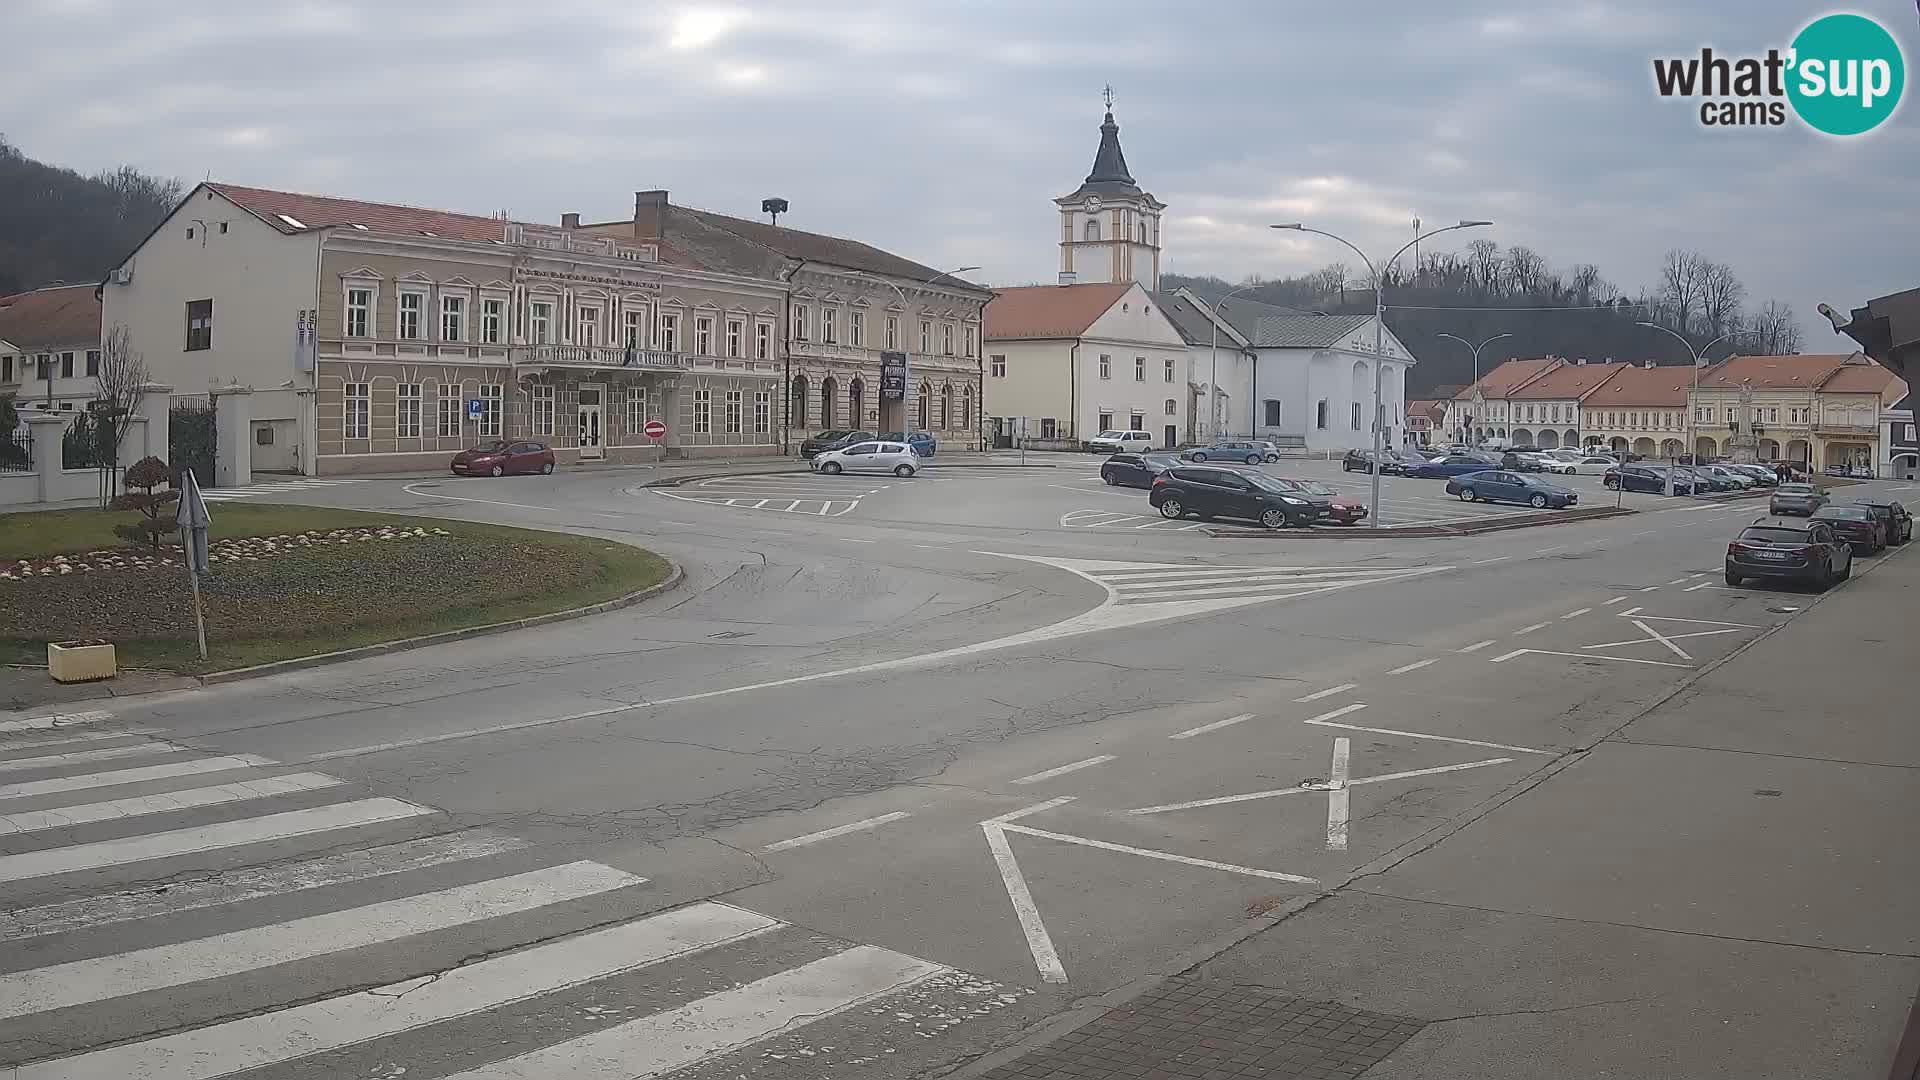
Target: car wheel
(1273,519)
(1273,459)
(1734,579)
(1198,456)
(831,468)
(1467,495)
(547,468)
(496,471)
(1172,509)
(903,471)
(1610,484)
(1253,459)
(1538,502)
(1111,479)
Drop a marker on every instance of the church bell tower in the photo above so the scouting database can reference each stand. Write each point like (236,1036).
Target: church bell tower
(1109,228)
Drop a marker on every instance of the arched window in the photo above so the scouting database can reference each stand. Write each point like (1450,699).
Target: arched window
(1093,229)
(926,405)
(857,403)
(946,406)
(797,401)
(1143,232)
(829,391)
(966,408)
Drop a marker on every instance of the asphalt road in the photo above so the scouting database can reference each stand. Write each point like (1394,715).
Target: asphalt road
(931,759)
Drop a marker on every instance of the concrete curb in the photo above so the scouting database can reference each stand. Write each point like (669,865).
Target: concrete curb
(1426,532)
(675,575)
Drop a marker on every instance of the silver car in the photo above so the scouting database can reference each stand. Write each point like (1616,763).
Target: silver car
(1800,500)
(1250,451)
(869,457)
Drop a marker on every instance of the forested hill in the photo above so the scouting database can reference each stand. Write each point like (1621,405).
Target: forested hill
(59,226)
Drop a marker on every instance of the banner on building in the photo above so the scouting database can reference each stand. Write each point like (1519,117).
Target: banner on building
(893,376)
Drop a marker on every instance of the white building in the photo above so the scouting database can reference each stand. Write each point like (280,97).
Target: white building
(1901,440)
(50,347)
(1313,378)
(1109,228)
(1071,361)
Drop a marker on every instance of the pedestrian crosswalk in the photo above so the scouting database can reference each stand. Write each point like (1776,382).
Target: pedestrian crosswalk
(277,487)
(782,493)
(173,914)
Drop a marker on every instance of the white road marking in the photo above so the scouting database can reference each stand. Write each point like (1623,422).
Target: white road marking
(1576,612)
(1484,562)
(1205,864)
(668,1041)
(1629,611)
(1701,622)
(1029,811)
(58,737)
(79,982)
(1215,726)
(1531,629)
(1341,711)
(1613,601)
(1423,735)
(1039,943)
(1504,657)
(1338,808)
(81,757)
(61,817)
(1415,666)
(851,540)
(840,830)
(1697,588)
(1583,656)
(226,834)
(1651,588)
(1253,795)
(1477,646)
(1328,692)
(333,1023)
(1664,639)
(1062,770)
(1550,550)
(133,776)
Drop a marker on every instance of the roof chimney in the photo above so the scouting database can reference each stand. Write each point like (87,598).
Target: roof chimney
(1068,277)
(569,221)
(649,212)
(1649,365)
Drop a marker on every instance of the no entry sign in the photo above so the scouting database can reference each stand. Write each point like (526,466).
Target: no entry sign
(655,429)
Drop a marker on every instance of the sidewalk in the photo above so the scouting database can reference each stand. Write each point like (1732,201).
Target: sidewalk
(1726,887)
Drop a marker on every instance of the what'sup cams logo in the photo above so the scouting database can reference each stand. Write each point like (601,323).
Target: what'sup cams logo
(1842,75)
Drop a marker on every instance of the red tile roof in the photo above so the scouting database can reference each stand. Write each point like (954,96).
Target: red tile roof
(1571,382)
(1502,381)
(324,211)
(1644,388)
(1050,311)
(60,315)
(1863,379)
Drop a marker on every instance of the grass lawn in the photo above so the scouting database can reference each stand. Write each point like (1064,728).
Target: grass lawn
(291,581)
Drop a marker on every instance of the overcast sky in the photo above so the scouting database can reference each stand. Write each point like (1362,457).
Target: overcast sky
(943,130)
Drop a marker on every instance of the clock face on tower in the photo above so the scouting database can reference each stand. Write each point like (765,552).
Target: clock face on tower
(1093,203)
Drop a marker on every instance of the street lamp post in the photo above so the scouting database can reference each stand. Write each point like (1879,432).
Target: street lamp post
(1379,332)
(1213,383)
(1693,438)
(897,291)
(1476,364)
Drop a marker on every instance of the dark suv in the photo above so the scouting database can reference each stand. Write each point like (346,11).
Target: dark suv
(1230,493)
(1796,550)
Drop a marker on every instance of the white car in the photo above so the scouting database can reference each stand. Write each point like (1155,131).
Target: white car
(1594,465)
(869,457)
(1552,463)
(1121,442)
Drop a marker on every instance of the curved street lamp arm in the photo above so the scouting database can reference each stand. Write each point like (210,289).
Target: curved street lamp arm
(1690,349)
(1371,271)
(1388,265)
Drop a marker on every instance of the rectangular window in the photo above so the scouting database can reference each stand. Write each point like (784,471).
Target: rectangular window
(636,411)
(797,329)
(893,333)
(407,322)
(358,411)
(703,336)
(66,365)
(857,329)
(762,341)
(589,326)
(926,337)
(93,363)
(670,332)
(492,314)
(540,322)
(973,341)
(702,411)
(946,339)
(1106,366)
(762,412)
(1169,369)
(734,331)
(447,411)
(491,410)
(1106,421)
(1171,405)
(1320,414)
(1139,369)
(406,420)
(453,318)
(199,325)
(1047,427)
(829,326)
(541,400)
(359,311)
(733,412)
(997,366)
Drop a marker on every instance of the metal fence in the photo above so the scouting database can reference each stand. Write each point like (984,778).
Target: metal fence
(16,452)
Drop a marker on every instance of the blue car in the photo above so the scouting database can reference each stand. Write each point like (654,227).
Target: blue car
(1498,485)
(922,442)
(1451,465)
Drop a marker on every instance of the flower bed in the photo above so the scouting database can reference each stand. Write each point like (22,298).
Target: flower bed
(241,549)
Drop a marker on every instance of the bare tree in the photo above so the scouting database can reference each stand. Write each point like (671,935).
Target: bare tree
(121,381)
(1525,268)
(1681,289)
(1330,279)
(1721,294)
(1772,330)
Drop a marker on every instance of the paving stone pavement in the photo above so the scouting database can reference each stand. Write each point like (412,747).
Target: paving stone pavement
(1188,1029)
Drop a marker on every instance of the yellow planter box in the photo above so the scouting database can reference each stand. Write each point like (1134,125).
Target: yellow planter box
(80,661)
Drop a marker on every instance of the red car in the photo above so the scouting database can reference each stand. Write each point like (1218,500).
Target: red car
(504,456)
(1345,509)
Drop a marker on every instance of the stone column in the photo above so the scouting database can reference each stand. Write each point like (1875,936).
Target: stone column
(48,456)
(156,405)
(233,435)
(670,413)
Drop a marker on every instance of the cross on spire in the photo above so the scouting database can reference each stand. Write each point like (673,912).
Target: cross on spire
(1106,95)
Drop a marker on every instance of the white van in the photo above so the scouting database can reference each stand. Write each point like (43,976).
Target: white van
(1118,442)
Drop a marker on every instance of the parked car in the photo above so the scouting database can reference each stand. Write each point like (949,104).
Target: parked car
(1647,478)
(923,442)
(1760,474)
(1391,462)
(1251,451)
(1208,492)
(1500,485)
(1857,525)
(1898,520)
(872,456)
(1564,453)
(1452,465)
(1342,509)
(1552,463)
(1115,441)
(1807,551)
(1136,470)
(1733,478)
(1800,499)
(504,456)
(837,439)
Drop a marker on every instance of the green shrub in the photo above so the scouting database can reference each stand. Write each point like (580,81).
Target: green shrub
(155,509)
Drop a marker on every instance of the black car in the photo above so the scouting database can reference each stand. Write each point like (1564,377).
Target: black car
(1391,463)
(1898,520)
(1646,478)
(1136,470)
(1795,550)
(1857,525)
(832,440)
(1248,496)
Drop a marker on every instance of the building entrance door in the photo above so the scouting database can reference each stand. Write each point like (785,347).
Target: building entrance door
(592,441)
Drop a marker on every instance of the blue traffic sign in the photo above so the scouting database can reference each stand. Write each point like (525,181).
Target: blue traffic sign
(475,408)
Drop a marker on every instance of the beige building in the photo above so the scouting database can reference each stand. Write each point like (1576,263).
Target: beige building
(1641,410)
(1821,410)
(1109,228)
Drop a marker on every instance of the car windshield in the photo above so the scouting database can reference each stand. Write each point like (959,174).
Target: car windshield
(1844,513)
(1770,535)
(1271,483)
(1794,489)
(496,446)
(832,434)
(1108,435)
(1312,488)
